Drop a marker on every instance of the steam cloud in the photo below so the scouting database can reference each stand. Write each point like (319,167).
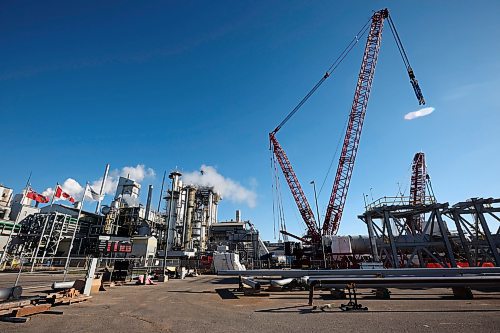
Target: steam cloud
(72,187)
(419,113)
(226,187)
(131,201)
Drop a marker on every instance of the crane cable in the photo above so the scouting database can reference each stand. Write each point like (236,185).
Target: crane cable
(278,210)
(333,158)
(273,194)
(402,52)
(327,74)
(398,42)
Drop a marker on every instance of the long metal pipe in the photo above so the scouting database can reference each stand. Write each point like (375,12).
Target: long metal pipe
(297,273)
(404,282)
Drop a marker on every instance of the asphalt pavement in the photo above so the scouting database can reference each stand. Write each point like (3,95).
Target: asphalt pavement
(209,304)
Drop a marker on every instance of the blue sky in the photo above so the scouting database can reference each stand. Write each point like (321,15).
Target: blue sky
(184,84)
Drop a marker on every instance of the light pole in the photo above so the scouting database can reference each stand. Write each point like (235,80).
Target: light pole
(313,183)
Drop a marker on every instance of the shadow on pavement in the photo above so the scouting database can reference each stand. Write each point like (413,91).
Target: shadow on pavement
(230,280)
(226,294)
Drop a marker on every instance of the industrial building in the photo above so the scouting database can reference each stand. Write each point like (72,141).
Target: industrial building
(5,199)
(187,227)
(240,237)
(191,210)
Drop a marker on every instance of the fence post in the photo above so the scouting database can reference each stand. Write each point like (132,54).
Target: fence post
(90,276)
(20,270)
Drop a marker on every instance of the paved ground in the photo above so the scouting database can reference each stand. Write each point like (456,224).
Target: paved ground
(36,281)
(205,304)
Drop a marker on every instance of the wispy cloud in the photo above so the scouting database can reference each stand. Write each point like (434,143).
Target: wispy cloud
(419,113)
(226,187)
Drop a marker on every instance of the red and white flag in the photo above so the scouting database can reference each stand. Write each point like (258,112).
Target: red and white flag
(63,195)
(36,196)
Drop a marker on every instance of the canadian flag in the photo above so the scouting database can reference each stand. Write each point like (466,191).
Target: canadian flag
(61,194)
(37,196)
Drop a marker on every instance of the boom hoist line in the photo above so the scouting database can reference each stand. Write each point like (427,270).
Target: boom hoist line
(353,131)
(305,210)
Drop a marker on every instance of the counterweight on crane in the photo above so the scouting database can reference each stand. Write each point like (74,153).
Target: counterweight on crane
(353,132)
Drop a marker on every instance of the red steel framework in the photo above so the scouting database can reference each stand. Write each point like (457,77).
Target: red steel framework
(353,133)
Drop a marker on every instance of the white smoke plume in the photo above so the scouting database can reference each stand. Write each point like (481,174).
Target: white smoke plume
(226,187)
(131,201)
(419,113)
(71,186)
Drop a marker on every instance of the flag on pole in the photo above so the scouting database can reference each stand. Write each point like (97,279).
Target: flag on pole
(93,194)
(37,196)
(59,193)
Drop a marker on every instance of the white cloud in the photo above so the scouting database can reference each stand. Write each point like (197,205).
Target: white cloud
(226,187)
(71,186)
(419,113)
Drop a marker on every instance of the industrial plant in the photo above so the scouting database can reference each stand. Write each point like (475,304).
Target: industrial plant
(62,248)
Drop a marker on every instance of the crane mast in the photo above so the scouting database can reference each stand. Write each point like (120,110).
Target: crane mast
(417,189)
(355,125)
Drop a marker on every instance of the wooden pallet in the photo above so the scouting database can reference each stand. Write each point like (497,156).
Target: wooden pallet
(68,296)
(7,307)
(17,311)
(31,310)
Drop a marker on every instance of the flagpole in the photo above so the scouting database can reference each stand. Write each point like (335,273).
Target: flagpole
(161,191)
(53,224)
(4,252)
(104,178)
(66,266)
(54,194)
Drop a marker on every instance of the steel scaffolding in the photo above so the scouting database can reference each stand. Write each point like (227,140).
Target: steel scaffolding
(40,235)
(473,219)
(398,244)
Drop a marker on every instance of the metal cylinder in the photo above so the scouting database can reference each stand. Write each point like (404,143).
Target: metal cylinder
(251,283)
(10,293)
(62,285)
